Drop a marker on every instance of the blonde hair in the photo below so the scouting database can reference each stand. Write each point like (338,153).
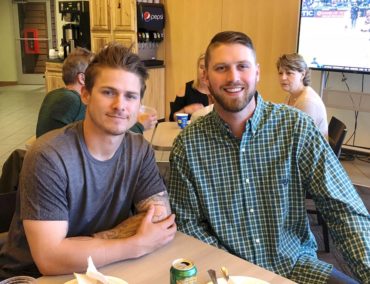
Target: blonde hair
(196,80)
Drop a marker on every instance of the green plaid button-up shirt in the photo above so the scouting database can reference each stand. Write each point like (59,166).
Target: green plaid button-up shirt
(247,195)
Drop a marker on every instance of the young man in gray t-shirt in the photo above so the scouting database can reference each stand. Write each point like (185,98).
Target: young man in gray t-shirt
(92,187)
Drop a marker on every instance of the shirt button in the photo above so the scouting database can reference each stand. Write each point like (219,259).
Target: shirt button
(243,149)
(247,180)
(257,241)
(251,210)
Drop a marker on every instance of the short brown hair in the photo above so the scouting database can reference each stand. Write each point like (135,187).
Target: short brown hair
(295,62)
(116,56)
(228,37)
(75,63)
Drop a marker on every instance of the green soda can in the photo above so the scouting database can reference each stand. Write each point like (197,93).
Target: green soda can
(183,271)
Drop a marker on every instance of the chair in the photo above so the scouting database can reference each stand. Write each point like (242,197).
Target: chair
(11,169)
(172,105)
(7,209)
(337,131)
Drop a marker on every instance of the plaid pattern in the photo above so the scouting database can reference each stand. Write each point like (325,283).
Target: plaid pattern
(247,195)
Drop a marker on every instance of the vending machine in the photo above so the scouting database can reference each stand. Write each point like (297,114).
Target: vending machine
(150,25)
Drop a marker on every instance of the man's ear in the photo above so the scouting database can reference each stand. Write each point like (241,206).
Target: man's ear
(85,95)
(258,72)
(81,79)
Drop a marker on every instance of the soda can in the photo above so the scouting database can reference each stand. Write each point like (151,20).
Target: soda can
(183,271)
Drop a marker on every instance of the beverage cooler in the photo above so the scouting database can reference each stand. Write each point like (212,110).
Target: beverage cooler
(150,25)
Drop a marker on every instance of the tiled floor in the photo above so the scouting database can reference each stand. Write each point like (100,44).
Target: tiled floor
(19,106)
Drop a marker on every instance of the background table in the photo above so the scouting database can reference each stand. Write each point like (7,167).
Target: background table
(155,267)
(164,135)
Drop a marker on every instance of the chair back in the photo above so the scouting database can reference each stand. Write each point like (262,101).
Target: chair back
(172,105)
(337,132)
(7,209)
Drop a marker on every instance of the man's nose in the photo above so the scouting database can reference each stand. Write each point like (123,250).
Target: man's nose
(233,74)
(119,102)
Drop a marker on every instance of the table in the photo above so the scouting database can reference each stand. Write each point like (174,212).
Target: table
(155,267)
(164,135)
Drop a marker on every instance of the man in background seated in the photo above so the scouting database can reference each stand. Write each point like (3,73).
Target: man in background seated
(81,184)
(239,177)
(63,106)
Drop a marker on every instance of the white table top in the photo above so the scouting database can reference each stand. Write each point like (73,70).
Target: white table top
(155,267)
(164,135)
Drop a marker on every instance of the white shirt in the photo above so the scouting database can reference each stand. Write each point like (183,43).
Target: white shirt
(201,112)
(311,103)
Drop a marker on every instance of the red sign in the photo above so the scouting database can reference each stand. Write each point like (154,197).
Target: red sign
(31,42)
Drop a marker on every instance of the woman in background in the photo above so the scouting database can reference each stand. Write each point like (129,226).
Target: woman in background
(193,96)
(294,78)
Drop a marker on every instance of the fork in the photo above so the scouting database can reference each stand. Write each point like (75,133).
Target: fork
(225,273)
(212,275)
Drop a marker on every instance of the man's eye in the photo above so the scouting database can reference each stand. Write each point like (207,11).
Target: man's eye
(220,68)
(243,66)
(107,92)
(132,96)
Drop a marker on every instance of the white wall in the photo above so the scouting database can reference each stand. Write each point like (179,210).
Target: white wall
(8,70)
(346,103)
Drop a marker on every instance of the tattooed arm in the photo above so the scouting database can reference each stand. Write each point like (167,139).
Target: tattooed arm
(161,203)
(129,226)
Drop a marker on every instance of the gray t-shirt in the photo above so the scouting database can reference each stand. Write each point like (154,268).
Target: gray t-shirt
(60,180)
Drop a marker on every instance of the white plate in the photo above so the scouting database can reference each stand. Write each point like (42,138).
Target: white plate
(241,280)
(112,280)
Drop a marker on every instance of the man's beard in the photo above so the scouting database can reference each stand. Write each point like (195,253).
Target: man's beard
(233,104)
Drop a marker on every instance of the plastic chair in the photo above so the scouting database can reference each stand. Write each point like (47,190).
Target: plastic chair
(337,131)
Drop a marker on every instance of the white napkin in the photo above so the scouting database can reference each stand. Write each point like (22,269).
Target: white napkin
(92,276)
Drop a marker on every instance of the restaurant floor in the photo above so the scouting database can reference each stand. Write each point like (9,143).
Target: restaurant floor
(19,106)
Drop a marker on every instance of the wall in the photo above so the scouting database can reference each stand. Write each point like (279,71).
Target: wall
(192,23)
(7,54)
(343,104)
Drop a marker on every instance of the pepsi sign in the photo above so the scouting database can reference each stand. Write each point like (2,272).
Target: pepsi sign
(150,17)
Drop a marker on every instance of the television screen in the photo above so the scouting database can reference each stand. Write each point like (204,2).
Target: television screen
(334,35)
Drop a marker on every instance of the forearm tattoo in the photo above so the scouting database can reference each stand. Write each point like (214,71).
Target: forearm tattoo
(125,229)
(160,201)
(129,226)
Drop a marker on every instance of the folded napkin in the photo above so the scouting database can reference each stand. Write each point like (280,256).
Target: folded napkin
(92,276)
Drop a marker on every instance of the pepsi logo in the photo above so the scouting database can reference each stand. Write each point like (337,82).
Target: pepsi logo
(146,16)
